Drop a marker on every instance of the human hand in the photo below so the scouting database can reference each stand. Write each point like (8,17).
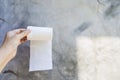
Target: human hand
(13,39)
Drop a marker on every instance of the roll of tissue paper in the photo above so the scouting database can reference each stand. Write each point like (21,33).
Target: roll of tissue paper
(40,48)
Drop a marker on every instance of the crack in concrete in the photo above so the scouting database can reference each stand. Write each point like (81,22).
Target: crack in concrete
(10,71)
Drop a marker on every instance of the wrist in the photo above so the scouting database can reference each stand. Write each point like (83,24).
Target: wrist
(7,51)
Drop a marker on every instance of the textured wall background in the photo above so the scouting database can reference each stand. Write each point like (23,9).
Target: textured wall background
(78,27)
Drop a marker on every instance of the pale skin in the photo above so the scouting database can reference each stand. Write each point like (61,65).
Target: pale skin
(9,47)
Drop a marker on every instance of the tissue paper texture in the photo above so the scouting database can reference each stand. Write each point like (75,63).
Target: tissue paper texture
(40,48)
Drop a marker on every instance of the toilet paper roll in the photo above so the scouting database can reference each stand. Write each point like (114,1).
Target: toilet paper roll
(40,33)
(40,48)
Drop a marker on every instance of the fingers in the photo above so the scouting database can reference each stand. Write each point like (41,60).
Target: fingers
(23,34)
(24,39)
(19,30)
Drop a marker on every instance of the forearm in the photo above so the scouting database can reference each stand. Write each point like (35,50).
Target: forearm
(4,57)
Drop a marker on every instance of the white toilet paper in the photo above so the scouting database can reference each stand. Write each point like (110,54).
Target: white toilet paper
(40,33)
(40,48)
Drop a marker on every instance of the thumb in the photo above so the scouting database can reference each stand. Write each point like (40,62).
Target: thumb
(23,34)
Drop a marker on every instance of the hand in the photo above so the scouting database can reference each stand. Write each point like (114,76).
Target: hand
(13,39)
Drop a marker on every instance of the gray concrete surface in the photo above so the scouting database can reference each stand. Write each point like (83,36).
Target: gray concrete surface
(71,20)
